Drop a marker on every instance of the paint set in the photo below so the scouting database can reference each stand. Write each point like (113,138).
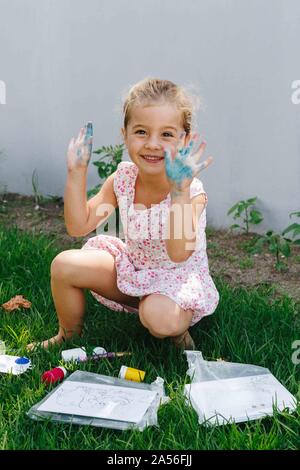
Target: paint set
(19,364)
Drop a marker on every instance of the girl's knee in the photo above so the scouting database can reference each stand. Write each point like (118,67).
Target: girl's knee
(61,265)
(160,315)
(172,328)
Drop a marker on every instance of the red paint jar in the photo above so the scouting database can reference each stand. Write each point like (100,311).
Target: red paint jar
(54,375)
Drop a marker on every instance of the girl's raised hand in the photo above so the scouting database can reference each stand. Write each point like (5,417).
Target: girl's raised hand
(183,165)
(80,150)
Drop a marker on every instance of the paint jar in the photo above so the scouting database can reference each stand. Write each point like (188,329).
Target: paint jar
(79,353)
(2,347)
(54,375)
(129,373)
(14,364)
(21,364)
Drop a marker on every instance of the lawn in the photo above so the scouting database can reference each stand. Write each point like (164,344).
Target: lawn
(249,326)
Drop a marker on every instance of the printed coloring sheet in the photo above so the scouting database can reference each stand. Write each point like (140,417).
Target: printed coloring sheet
(99,401)
(239,398)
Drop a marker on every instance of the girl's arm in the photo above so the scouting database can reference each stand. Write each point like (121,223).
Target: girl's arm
(181,167)
(182,224)
(100,207)
(75,199)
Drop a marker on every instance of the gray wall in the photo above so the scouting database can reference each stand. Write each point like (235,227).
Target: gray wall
(64,62)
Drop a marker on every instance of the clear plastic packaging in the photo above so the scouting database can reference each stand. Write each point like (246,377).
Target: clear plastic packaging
(222,392)
(148,419)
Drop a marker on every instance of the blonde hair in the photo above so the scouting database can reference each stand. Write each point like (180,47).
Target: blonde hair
(153,90)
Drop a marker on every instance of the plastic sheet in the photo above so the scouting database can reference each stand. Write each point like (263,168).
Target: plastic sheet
(222,392)
(148,419)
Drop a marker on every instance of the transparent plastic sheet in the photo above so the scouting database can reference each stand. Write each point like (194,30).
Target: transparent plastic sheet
(149,418)
(200,370)
(221,373)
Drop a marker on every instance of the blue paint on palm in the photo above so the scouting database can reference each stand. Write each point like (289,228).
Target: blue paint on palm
(176,170)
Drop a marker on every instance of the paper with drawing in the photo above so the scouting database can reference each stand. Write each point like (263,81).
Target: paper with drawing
(99,401)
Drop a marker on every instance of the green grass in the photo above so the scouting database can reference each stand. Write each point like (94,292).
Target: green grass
(246,262)
(247,327)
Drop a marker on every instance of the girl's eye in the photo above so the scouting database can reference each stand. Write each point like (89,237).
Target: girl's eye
(168,133)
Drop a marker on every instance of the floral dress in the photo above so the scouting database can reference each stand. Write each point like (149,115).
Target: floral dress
(142,262)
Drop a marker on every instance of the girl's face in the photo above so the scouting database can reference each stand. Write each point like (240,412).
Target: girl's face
(149,128)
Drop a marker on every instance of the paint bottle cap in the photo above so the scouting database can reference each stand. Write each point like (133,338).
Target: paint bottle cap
(22,361)
(122,372)
(73,354)
(99,350)
(129,373)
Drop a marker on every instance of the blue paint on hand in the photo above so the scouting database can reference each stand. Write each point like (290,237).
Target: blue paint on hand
(89,136)
(89,129)
(176,170)
(186,164)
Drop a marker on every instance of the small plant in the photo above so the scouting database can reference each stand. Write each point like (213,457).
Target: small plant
(106,168)
(294,227)
(253,216)
(278,244)
(113,154)
(37,196)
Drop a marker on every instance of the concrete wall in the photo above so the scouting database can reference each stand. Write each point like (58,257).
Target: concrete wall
(63,62)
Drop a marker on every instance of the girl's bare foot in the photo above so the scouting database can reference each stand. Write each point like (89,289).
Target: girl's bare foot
(55,340)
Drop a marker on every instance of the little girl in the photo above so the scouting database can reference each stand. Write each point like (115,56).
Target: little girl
(161,272)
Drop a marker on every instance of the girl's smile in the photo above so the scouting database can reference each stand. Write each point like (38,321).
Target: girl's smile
(152,159)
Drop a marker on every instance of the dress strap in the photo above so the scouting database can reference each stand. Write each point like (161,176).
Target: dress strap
(124,179)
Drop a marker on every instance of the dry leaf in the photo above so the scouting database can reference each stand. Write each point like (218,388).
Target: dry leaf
(15,303)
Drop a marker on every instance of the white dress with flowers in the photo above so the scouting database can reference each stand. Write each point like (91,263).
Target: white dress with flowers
(142,262)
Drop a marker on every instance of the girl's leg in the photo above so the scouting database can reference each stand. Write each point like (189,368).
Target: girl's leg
(72,271)
(163,317)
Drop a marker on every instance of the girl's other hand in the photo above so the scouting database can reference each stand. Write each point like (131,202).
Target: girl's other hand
(80,150)
(183,165)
